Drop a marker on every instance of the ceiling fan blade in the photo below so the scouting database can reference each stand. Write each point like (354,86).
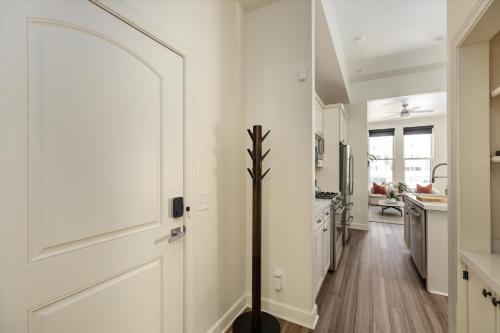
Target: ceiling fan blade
(422,111)
(413,108)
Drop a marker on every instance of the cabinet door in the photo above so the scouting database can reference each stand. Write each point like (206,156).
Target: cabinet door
(343,127)
(327,232)
(318,255)
(319,118)
(481,312)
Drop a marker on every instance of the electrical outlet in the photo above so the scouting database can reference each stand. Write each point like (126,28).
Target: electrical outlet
(203,201)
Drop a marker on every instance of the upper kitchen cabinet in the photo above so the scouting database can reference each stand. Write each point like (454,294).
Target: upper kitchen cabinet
(343,118)
(319,116)
(331,82)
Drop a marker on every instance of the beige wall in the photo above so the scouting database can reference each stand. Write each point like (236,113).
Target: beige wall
(277,50)
(213,30)
(439,145)
(361,92)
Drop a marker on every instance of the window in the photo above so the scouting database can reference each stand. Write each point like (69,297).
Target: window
(381,145)
(418,155)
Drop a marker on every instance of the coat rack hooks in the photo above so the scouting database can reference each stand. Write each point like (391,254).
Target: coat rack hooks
(256,321)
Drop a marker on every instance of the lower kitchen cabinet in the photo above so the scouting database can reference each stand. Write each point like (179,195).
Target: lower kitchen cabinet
(318,257)
(483,316)
(327,252)
(322,250)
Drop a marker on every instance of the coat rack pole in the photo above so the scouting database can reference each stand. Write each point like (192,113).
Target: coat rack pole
(256,321)
(257,229)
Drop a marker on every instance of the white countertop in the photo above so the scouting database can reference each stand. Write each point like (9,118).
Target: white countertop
(486,267)
(440,206)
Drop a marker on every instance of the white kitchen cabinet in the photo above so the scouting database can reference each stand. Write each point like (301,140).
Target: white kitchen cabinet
(318,256)
(326,245)
(481,312)
(343,125)
(319,118)
(321,246)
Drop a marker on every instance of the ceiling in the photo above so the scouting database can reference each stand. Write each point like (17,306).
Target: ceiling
(381,109)
(382,38)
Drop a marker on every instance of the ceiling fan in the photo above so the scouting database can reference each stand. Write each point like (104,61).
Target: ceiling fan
(405,112)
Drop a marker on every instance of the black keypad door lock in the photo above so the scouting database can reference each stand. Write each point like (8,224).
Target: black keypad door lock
(178,207)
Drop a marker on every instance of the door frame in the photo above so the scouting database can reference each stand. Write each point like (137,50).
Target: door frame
(456,309)
(138,22)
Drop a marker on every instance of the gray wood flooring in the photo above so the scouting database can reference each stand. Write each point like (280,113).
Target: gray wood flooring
(376,289)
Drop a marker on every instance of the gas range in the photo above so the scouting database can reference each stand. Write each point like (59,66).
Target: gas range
(336,197)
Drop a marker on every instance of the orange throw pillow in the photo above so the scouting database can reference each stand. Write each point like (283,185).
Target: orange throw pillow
(379,189)
(427,189)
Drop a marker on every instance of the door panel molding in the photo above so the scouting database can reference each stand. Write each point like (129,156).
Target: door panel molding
(55,226)
(63,314)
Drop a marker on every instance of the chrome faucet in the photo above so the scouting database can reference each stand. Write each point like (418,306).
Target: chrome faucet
(434,172)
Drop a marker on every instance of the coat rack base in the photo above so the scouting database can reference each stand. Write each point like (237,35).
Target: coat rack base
(243,324)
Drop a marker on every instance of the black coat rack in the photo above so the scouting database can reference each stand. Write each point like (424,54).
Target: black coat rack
(256,321)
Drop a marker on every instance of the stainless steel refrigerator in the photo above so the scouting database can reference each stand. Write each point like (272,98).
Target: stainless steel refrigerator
(346,182)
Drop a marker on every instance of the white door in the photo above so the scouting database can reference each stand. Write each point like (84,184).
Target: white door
(91,152)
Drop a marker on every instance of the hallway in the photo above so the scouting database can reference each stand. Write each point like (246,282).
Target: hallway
(377,288)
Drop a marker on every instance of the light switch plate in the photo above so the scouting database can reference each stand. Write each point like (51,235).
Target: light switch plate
(203,200)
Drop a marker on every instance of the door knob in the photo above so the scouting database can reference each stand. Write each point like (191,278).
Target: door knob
(495,301)
(177,233)
(486,293)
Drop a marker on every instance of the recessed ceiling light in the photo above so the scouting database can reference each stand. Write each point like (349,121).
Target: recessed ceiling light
(359,38)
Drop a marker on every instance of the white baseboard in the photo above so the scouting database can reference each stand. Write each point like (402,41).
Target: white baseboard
(225,322)
(360,226)
(437,292)
(289,313)
(495,245)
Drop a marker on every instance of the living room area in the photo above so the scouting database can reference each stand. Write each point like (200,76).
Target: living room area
(407,152)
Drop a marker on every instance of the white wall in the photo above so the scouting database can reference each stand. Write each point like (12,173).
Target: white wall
(361,92)
(440,143)
(279,45)
(213,30)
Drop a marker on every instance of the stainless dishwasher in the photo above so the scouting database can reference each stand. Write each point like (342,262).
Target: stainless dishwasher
(417,219)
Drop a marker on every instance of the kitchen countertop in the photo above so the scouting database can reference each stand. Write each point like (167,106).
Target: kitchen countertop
(486,266)
(439,206)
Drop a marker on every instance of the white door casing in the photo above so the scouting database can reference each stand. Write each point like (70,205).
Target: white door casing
(91,152)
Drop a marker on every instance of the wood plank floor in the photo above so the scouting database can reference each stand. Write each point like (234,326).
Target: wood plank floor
(376,289)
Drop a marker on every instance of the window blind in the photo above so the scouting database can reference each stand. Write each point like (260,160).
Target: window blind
(418,130)
(381,132)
